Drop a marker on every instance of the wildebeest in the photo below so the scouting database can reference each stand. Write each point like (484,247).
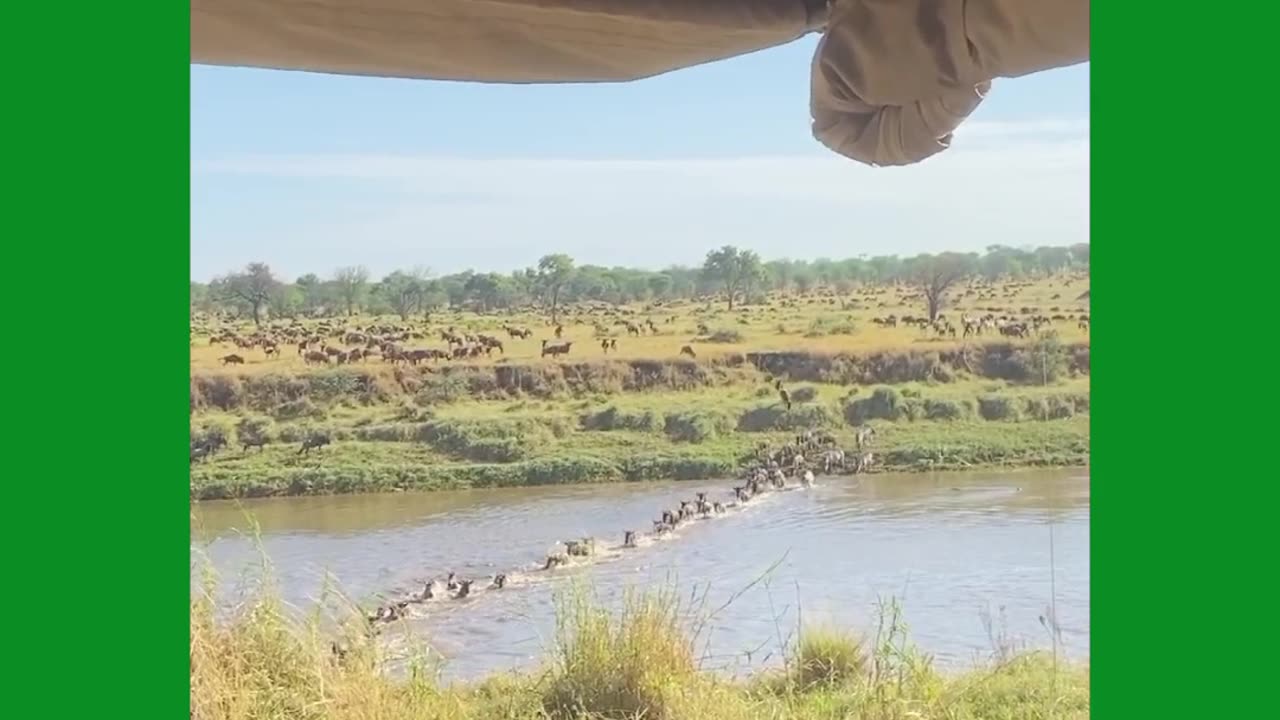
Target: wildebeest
(270,350)
(499,581)
(315,356)
(315,440)
(629,538)
(556,349)
(464,589)
(864,436)
(232,359)
(688,350)
(831,460)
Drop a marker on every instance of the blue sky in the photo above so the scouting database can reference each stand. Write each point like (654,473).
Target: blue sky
(311,172)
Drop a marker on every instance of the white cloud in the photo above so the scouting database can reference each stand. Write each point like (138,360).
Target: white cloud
(1009,183)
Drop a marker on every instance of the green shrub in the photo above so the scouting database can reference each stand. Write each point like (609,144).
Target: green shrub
(221,391)
(213,435)
(804,394)
(611,418)
(768,418)
(297,410)
(442,389)
(947,409)
(884,403)
(998,407)
(500,441)
(251,431)
(695,427)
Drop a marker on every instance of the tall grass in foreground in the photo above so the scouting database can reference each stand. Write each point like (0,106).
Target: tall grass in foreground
(639,662)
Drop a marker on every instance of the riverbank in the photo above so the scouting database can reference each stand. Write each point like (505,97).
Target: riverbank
(641,661)
(384,429)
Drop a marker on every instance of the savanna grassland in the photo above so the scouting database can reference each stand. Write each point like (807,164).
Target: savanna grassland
(691,387)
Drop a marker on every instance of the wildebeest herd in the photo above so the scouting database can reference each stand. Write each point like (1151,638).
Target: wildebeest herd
(794,465)
(652,330)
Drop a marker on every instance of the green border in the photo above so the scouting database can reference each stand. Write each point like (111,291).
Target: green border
(97,256)
(1185,497)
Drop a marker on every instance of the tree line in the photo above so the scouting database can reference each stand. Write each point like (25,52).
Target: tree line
(732,274)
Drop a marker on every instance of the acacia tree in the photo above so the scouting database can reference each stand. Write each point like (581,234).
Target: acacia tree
(253,287)
(554,272)
(351,281)
(403,292)
(735,270)
(935,275)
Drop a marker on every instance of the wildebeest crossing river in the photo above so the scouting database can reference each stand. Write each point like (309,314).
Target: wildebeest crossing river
(951,547)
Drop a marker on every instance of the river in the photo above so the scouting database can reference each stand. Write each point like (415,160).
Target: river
(951,547)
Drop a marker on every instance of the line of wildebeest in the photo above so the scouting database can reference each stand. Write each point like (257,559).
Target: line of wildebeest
(768,470)
(1006,325)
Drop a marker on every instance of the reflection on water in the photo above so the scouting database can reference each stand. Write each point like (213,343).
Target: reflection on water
(948,545)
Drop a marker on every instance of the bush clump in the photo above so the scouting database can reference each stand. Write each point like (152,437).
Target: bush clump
(695,427)
(775,417)
(491,441)
(611,418)
(804,394)
(998,407)
(947,409)
(827,658)
(253,432)
(884,403)
(297,410)
(441,390)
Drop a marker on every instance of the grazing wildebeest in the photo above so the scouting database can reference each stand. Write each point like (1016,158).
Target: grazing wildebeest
(270,350)
(864,436)
(315,356)
(687,350)
(315,441)
(556,349)
(232,359)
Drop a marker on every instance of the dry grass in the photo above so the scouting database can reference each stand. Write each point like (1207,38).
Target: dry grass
(262,663)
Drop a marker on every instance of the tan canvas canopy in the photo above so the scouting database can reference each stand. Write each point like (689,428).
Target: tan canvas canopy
(891,79)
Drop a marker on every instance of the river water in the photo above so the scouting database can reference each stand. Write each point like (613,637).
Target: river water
(968,556)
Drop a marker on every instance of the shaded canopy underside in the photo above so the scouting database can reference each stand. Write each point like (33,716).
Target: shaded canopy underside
(516,41)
